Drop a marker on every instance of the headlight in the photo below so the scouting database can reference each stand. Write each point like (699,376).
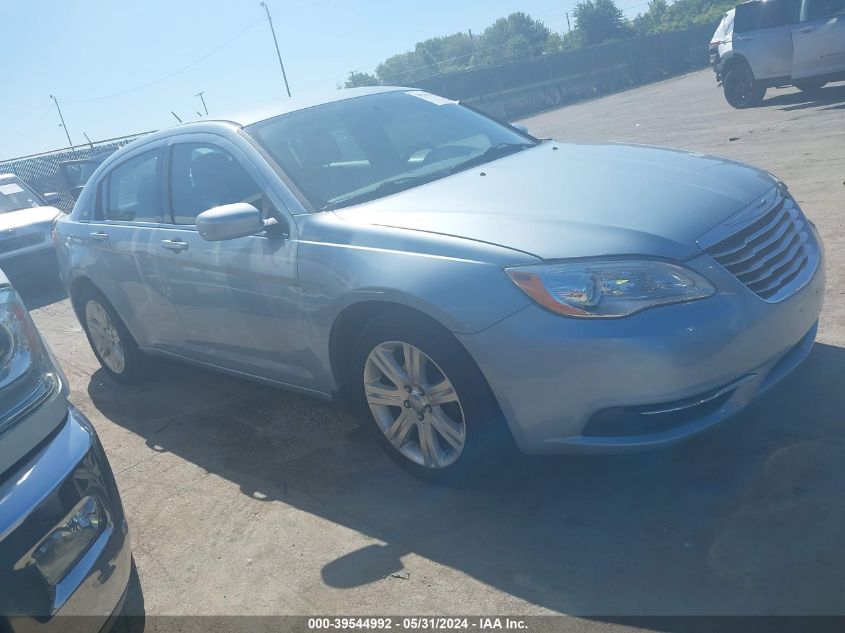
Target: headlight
(27,374)
(609,288)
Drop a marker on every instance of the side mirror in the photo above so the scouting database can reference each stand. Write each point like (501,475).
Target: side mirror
(229,221)
(52,198)
(520,127)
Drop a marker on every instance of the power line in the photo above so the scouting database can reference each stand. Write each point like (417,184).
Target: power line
(174,73)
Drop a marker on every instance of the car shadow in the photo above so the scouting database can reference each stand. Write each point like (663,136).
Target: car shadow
(831,97)
(748,518)
(37,290)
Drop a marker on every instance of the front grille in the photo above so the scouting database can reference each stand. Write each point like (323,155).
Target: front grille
(774,255)
(21,241)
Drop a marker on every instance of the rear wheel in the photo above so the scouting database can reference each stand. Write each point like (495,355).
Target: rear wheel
(810,85)
(430,405)
(741,89)
(111,342)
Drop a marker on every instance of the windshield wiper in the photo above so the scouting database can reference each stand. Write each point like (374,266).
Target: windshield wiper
(384,189)
(499,150)
(406,182)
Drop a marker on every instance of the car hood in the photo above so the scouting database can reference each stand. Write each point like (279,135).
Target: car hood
(30,216)
(579,200)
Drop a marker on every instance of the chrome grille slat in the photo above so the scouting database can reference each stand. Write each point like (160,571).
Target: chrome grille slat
(775,284)
(769,264)
(757,262)
(773,255)
(780,229)
(744,237)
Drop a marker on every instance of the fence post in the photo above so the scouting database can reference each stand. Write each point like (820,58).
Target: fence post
(665,57)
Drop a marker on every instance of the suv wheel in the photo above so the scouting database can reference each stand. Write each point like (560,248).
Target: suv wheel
(430,406)
(741,89)
(112,343)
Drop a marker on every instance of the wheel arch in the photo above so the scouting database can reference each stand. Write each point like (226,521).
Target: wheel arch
(734,59)
(355,317)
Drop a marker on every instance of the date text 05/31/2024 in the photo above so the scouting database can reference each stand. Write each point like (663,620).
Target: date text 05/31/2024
(418,624)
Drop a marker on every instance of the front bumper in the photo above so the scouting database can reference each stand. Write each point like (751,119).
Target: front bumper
(552,375)
(36,497)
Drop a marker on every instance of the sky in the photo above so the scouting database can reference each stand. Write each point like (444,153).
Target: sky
(118,67)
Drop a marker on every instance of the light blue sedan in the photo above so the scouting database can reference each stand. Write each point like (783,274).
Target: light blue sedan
(469,287)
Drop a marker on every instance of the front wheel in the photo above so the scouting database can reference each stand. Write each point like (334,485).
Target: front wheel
(432,409)
(741,89)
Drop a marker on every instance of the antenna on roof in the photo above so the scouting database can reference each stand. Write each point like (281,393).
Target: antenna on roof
(176,115)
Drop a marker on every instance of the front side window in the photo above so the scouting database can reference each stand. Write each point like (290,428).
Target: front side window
(130,193)
(16,195)
(203,176)
(359,149)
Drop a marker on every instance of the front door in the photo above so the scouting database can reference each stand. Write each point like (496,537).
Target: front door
(238,301)
(819,40)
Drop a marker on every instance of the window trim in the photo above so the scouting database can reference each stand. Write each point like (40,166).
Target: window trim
(225,145)
(104,187)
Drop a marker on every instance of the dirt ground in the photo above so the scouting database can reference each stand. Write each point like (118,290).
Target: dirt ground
(243,499)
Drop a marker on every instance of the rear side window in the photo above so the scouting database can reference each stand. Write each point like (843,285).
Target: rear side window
(131,191)
(753,16)
(821,9)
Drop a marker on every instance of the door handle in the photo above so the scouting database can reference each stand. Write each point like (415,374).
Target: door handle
(99,236)
(174,245)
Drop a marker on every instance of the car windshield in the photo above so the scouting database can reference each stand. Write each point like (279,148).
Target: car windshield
(359,149)
(15,195)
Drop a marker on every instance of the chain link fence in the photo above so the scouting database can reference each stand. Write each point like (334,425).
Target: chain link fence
(43,172)
(526,87)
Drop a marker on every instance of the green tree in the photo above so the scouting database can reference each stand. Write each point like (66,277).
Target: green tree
(599,21)
(357,79)
(517,36)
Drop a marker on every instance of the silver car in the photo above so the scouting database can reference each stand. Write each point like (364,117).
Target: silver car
(467,286)
(25,222)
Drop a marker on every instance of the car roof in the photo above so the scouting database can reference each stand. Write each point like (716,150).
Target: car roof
(307,101)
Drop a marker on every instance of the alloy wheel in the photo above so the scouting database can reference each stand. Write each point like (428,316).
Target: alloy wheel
(414,404)
(105,337)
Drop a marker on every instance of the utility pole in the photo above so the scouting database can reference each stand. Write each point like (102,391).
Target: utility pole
(276,42)
(56,101)
(569,28)
(205,107)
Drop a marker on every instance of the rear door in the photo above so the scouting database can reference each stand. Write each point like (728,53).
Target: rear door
(239,303)
(819,40)
(762,35)
(122,239)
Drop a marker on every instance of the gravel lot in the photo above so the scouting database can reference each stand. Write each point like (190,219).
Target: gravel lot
(247,500)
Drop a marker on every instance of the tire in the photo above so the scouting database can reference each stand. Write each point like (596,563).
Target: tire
(471,419)
(121,359)
(810,86)
(741,89)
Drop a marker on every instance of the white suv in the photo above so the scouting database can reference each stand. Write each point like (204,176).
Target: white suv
(762,44)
